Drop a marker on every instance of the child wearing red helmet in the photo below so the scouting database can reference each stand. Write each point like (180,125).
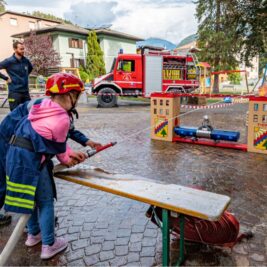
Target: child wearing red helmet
(38,137)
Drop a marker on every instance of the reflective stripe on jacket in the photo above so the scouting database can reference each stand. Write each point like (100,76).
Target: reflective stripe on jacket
(23,168)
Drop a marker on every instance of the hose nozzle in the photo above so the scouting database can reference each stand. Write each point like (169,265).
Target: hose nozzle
(92,152)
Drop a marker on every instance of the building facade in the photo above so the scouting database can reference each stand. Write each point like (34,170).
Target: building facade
(68,40)
(71,43)
(112,42)
(72,49)
(253,71)
(12,23)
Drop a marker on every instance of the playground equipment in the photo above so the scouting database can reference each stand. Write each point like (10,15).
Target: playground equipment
(263,86)
(165,110)
(233,71)
(204,78)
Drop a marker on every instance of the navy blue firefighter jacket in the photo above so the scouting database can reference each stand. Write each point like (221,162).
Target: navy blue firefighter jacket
(19,71)
(7,128)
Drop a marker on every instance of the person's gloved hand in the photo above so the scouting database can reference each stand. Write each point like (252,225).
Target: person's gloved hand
(93,144)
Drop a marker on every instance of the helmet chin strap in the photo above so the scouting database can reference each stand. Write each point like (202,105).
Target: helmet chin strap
(73,107)
(74,112)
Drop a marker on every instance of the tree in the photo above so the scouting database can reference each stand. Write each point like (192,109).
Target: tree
(250,18)
(2,6)
(95,65)
(50,16)
(216,39)
(83,74)
(232,31)
(235,78)
(39,49)
(163,132)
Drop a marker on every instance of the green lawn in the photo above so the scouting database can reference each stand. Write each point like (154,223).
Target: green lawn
(139,99)
(213,100)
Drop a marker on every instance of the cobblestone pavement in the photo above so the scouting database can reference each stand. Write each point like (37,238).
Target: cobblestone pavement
(105,230)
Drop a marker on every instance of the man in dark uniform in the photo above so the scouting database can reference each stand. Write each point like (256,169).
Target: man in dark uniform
(18,69)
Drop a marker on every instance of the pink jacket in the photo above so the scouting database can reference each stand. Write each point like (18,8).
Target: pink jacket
(52,122)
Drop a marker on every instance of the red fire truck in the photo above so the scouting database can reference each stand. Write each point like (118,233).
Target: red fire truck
(153,70)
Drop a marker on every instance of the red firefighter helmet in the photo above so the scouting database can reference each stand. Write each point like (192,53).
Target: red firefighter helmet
(62,83)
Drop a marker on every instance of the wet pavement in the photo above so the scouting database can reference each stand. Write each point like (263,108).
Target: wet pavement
(105,230)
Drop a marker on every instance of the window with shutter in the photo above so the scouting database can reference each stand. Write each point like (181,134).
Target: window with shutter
(70,43)
(80,43)
(75,43)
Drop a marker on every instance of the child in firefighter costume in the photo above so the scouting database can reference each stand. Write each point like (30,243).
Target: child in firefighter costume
(7,128)
(38,137)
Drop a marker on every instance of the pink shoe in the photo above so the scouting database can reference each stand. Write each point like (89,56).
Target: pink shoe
(50,251)
(33,240)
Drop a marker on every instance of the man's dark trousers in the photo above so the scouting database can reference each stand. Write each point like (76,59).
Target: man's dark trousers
(14,99)
(18,70)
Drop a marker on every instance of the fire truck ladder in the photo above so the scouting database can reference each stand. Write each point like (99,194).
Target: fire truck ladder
(195,59)
(196,62)
(172,67)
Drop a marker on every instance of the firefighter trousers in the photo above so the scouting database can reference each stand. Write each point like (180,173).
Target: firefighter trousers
(43,217)
(17,98)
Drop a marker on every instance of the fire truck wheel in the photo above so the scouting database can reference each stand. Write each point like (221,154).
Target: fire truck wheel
(107,98)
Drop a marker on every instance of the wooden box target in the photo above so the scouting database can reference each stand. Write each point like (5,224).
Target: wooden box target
(257,125)
(165,108)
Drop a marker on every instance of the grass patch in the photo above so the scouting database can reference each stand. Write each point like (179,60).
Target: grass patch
(91,96)
(230,92)
(213,100)
(138,99)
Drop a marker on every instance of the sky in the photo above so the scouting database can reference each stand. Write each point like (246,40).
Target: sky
(172,20)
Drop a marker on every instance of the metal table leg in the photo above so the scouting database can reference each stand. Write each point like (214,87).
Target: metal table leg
(165,238)
(181,250)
